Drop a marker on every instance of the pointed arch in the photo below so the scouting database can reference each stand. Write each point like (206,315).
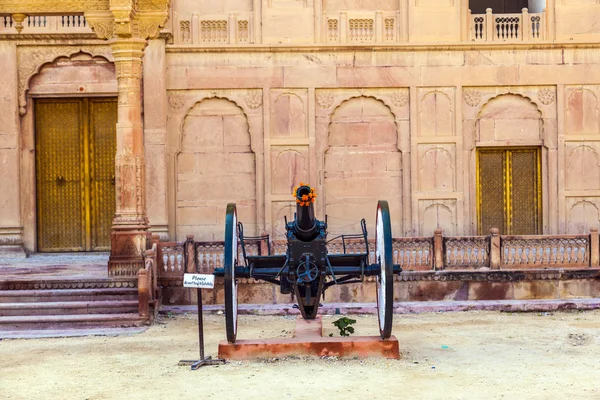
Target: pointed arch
(215,165)
(362,164)
(30,60)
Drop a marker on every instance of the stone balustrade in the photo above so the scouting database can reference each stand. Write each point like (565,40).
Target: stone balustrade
(362,27)
(524,27)
(193,29)
(46,24)
(415,253)
(536,251)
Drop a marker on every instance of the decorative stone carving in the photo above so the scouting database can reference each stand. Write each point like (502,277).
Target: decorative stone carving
(31,58)
(176,101)
(185,31)
(47,6)
(148,28)
(546,96)
(472,97)
(399,99)
(70,284)
(130,183)
(325,100)
(254,100)
(103,26)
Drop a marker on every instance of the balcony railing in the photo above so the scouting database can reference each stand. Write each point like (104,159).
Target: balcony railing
(524,27)
(46,24)
(362,27)
(213,29)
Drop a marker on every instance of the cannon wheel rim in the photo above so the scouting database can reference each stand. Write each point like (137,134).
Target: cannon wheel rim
(385,279)
(230,261)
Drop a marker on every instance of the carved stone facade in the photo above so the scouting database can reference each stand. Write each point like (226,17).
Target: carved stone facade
(240,100)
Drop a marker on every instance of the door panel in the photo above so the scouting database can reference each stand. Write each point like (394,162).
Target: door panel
(524,205)
(60,175)
(491,186)
(75,147)
(509,191)
(103,123)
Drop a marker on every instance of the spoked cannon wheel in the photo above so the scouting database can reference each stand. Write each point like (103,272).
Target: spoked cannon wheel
(385,279)
(230,262)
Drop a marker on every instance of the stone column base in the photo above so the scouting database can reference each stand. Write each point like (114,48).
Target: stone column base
(11,243)
(126,251)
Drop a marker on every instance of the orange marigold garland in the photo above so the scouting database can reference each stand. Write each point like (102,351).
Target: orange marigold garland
(306,199)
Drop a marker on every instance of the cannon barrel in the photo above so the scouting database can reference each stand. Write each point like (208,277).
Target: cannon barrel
(306,227)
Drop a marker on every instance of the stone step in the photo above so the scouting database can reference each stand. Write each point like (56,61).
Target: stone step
(69,308)
(63,295)
(71,332)
(42,322)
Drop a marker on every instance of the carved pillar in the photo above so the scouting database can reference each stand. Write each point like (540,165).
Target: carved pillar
(438,250)
(128,236)
(594,248)
(465,18)
(11,232)
(495,250)
(155,137)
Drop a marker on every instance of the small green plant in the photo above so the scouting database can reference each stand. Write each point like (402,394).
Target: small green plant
(345,326)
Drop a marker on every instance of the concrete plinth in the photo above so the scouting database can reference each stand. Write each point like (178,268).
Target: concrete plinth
(309,341)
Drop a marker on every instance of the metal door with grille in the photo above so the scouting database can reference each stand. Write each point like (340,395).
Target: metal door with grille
(509,190)
(75,148)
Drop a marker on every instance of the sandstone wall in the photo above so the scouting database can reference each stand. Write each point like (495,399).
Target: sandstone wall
(365,99)
(397,125)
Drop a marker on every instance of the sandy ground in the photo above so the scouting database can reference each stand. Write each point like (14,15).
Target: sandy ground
(474,355)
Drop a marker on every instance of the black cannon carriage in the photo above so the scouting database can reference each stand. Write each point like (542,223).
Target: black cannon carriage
(308,269)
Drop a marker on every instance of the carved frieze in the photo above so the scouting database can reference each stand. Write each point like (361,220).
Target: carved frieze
(49,6)
(69,284)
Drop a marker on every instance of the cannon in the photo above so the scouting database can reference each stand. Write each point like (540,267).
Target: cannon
(307,268)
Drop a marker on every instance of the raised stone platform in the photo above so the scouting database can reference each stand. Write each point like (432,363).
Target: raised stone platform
(308,340)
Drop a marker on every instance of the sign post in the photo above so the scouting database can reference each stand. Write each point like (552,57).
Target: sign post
(200,281)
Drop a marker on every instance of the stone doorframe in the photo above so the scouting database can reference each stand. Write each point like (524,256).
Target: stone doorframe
(27,131)
(127,25)
(544,101)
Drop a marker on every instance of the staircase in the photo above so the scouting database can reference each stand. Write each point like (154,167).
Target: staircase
(67,308)
(70,295)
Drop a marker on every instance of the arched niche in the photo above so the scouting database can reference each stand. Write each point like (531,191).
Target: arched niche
(582,115)
(215,166)
(437,216)
(362,165)
(583,169)
(289,116)
(436,115)
(583,215)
